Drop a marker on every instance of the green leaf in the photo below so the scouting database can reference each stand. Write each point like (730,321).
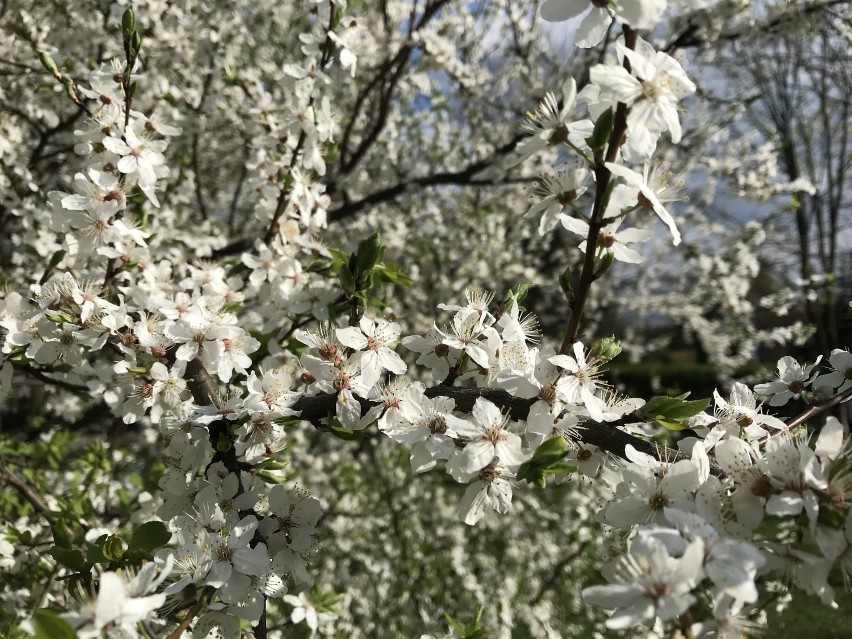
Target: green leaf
(671,412)
(457,626)
(604,264)
(555,446)
(59,317)
(70,558)
(329,151)
(347,280)
(472,630)
(369,253)
(831,517)
(223,443)
(95,554)
(49,625)
(338,257)
(517,293)
(149,536)
(606,349)
(60,533)
(113,548)
(669,424)
(233,307)
(135,44)
(603,128)
(546,460)
(273,464)
(271,478)
(392,273)
(128,22)
(562,468)
(566,283)
(340,431)
(48,63)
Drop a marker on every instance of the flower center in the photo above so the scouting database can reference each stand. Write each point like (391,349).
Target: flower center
(651,91)
(223,552)
(488,474)
(566,197)
(341,383)
(658,501)
(437,425)
(547,394)
(744,421)
(606,239)
(658,590)
(328,352)
(559,135)
(761,487)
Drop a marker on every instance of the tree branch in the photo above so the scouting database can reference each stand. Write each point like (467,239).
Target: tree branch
(11,478)
(463,176)
(602,177)
(819,408)
(604,435)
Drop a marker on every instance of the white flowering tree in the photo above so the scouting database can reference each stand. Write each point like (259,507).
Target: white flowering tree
(230,407)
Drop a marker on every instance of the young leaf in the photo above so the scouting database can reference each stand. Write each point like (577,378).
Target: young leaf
(347,280)
(69,558)
(60,533)
(369,253)
(340,431)
(149,536)
(606,349)
(671,412)
(566,283)
(49,625)
(603,128)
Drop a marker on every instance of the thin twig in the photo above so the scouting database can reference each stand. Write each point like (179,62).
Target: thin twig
(188,618)
(10,477)
(602,177)
(556,573)
(819,408)
(43,377)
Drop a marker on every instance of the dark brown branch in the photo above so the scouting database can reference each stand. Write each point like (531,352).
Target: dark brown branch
(556,573)
(43,377)
(604,435)
(201,384)
(819,408)
(690,36)
(11,478)
(177,632)
(463,176)
(386,80)
(602,177)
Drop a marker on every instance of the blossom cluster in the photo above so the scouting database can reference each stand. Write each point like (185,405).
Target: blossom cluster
(118,321)
(727,526)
